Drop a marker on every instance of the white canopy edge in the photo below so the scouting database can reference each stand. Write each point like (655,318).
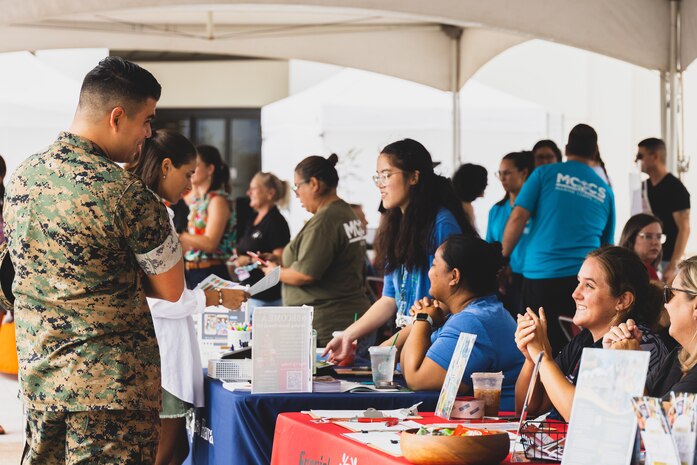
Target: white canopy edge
(636,31)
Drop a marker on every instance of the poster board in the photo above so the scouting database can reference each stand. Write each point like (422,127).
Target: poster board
(602,428)
(282,352)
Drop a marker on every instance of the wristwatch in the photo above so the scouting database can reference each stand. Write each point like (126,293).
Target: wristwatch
(424,317)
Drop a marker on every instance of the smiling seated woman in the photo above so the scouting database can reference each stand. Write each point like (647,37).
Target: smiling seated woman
(613,286)
(678,372)
(463,286)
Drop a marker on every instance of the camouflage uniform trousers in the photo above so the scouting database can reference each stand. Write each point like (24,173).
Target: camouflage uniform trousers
(91,437)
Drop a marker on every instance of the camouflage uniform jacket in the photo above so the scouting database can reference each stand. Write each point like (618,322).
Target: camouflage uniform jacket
(81,234)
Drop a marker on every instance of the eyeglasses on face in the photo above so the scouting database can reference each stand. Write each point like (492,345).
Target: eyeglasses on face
(669,293)
(504,173)
(382,179)
(295,187)
(653,237)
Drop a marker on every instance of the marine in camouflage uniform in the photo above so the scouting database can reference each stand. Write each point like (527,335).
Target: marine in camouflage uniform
(81,234)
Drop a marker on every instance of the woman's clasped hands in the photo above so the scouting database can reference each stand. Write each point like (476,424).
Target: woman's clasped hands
(531,334)
(625,336)
(434,308)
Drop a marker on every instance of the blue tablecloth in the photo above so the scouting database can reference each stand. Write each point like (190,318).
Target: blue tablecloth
(237,427)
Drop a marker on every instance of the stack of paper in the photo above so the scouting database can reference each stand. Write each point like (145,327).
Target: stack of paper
(326,384)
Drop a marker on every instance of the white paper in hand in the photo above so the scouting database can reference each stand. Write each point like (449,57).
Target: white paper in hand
(267,282)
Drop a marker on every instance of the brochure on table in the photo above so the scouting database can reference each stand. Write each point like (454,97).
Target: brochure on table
(602,429)
(453,377)
(668,429)
(655,432)
(282,350)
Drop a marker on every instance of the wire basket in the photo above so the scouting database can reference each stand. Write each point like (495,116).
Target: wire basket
(230,370)
(544,440)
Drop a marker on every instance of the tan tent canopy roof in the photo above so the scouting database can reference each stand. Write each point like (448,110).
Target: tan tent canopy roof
(402,38)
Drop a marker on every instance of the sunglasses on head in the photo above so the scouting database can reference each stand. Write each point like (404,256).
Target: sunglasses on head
(669,293)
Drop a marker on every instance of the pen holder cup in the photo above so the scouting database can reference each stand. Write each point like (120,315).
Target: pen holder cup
(239,339)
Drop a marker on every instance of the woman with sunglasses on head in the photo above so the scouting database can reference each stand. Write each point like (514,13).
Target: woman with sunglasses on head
(643,234)
(421,211)
(323,263)
(613,287)
(678,372)
(166,164)
(513,171)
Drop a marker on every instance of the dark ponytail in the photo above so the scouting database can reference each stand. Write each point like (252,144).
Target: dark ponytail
(323,169)
(221,175)
(478,261)
(522,161)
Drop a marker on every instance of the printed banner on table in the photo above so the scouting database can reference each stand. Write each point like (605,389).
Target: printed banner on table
(453,378)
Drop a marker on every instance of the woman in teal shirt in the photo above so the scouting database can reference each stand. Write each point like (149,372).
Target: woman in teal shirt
(513,171)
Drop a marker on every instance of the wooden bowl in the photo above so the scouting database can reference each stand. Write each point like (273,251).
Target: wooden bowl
(454,450)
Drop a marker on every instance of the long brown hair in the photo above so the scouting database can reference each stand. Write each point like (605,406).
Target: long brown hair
(407,239)
(625,272)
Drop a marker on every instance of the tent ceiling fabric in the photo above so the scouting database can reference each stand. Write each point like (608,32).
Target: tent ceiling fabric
(401,38)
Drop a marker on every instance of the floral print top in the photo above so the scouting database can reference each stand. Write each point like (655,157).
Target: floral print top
(198,217)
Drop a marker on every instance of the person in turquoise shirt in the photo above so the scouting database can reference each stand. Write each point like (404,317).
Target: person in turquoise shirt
(573,212)
(513,171)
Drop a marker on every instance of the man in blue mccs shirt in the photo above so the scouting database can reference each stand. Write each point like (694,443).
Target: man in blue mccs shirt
(574,213)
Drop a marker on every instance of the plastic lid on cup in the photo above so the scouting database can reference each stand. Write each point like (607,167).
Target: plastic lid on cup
(498,375)
(380,349)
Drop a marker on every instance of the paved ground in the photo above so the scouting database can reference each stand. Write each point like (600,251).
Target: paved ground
(12,442)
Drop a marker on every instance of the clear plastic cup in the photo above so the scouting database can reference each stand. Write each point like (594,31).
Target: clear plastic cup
(382,364)
(487,387)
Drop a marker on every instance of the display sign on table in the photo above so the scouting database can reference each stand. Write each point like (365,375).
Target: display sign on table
(602,429)
(283,350)
(453,378)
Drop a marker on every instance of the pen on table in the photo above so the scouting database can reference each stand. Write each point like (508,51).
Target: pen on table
(258,258)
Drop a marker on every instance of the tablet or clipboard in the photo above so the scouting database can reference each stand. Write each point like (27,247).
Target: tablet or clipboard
(531,388)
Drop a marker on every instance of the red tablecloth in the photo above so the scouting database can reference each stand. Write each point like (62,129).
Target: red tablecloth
(298,440)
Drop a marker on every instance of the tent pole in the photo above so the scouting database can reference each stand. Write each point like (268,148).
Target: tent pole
(455,33)
(672,128)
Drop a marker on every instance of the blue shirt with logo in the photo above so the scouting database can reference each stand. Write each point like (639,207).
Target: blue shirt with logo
(573,213)
(494,349)
(407,286)
(498,217)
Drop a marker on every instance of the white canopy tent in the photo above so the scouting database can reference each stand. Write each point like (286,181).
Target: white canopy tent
(356,113)
(440,43)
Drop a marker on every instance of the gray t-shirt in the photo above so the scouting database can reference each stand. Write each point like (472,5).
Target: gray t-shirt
(331,249)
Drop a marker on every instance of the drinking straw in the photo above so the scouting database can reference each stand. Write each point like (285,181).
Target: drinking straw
(355,317)
(394,340)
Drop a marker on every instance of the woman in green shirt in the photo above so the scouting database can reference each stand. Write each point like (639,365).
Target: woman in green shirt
(323,266)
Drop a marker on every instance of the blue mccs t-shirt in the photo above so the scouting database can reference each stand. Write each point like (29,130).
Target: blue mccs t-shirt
(407,286)
(498,217)
(494,349)
(573,212)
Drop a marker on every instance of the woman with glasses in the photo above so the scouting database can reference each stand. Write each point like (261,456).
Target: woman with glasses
(421,211)
(643,234)
(678,372)
(323,264)
(514,169)
(613,287)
